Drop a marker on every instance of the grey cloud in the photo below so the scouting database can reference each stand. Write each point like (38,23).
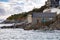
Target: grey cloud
(2,11)
(17,6)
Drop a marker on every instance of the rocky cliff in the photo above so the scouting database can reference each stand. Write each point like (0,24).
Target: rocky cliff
(56,24)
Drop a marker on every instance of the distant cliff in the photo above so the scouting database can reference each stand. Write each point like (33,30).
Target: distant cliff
(24,14)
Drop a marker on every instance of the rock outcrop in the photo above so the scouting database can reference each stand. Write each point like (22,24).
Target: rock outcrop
(56,24)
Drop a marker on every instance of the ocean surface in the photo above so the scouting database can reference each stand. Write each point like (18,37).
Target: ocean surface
(20,34)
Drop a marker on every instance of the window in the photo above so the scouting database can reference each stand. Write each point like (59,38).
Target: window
(50,18)
(59,3)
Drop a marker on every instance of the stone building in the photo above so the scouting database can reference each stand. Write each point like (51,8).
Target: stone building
(43,17)
(53,3)
(34,18)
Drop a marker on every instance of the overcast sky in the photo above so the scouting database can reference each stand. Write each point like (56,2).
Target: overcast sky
(10,7)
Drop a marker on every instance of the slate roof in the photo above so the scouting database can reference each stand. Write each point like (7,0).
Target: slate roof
(44,15)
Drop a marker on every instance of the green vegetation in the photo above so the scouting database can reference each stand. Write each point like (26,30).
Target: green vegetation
(40,9)
(24,14)
(17,16)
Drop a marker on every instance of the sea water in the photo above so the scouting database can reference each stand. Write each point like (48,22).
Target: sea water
(20,34)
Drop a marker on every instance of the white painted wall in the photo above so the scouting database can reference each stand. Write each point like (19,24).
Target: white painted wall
(29,18)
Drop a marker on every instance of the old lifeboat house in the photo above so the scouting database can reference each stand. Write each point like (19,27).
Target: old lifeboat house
(38,19)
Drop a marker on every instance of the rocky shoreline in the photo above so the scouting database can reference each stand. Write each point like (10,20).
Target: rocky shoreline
(52,26)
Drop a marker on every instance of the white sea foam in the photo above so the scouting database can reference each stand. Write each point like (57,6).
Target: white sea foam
(20,34)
